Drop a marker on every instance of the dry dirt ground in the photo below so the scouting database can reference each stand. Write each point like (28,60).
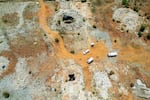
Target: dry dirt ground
(40,57)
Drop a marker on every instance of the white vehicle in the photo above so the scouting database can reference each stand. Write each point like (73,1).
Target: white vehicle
(86,51)
(112,54)
(92,44)
(90,60)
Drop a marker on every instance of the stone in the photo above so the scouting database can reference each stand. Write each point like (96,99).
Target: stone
(114,77)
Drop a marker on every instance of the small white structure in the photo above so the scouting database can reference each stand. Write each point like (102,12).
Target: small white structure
(90,60)
(112,54)
(86,51)
(37,3)
(92,44)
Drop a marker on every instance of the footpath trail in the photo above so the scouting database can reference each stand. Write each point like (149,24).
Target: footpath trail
(98,51)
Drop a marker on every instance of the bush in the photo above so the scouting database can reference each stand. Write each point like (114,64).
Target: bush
(148,17)
(148,36)
(125,3)
(131,85)
(72,51)
(111,72)
(6,94)
(142,28)
(139,34)
(56,40)
(94,26)
(115,41)
(136,9)
(83,0)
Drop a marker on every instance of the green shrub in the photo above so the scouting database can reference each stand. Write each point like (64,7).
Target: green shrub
(6,94)
(142,28)
(111,72)
(139,34)
(148,36)
(56,40)
(72,51)
(148,17)
(83,0)
(94,26)
(136,9)
(125,3)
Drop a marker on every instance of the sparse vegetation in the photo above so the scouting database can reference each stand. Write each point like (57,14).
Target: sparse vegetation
(56,9)
(94,26)
(148,36)
(118,21)
(148,17)
(83,20)
(97,2)
(131,84)
(58,22)
(72,51)
(56,40)
(140,34)
(6,94)
(142,28)
(83,1)
(30,72)
(125,3)
(3,66)
(1,41)
(93,9)
(10,19)
(136,9)
(111,72)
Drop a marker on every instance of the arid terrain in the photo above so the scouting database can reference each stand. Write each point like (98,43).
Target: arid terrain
(74,50)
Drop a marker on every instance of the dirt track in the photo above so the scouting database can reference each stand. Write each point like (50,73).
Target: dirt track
(99,51)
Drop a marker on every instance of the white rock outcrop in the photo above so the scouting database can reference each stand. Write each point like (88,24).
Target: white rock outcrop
(141,90)
(129,19)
